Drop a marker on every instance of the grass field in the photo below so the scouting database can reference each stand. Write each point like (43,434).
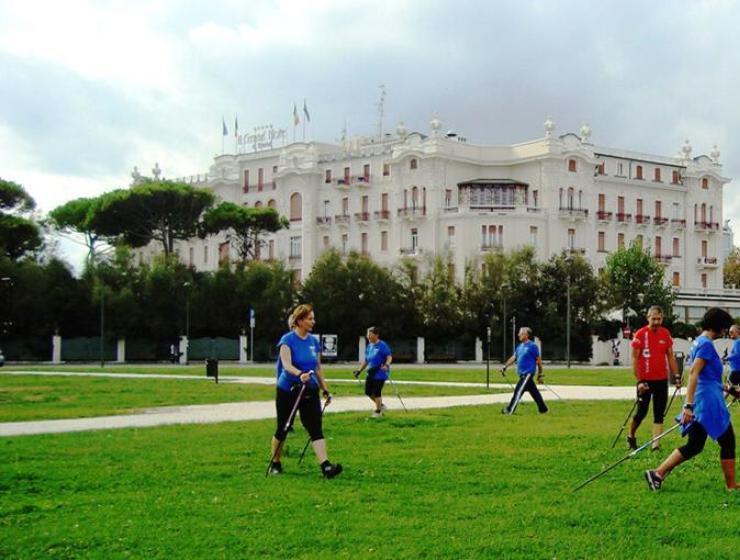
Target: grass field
(34,397)
(453,483)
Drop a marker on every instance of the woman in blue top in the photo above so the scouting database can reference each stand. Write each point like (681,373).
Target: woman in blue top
(378,361)
(705,411)
(734,357)
(300,364)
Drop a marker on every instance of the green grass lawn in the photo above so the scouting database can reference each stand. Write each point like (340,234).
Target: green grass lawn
(453,483)
(34,397)
(477,374)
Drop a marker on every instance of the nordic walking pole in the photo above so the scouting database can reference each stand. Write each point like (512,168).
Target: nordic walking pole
(398,394)
(546,386)
(503,374)
(305,447)
(287,425)
(518,398)
(670,402)
(623,459)
(624,424)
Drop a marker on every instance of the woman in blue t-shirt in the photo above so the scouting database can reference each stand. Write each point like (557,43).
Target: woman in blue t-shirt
(299,364)
(378,361)
(705,411)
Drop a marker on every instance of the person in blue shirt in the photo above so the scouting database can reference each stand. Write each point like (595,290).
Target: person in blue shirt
(734,357)
(378,361)
(299,364)
(527,358)
(705,411)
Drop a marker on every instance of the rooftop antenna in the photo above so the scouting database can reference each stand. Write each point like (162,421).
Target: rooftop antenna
(381,106)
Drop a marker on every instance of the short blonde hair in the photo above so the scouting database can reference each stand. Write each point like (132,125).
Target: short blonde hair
(299,313)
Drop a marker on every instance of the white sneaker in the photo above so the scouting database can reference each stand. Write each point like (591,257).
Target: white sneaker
(377,413)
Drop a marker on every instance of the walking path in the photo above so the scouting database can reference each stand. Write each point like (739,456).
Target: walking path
(260,410)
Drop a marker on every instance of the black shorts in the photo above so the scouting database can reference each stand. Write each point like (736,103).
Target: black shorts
(658,391)
(735,378)
(309,408)
(698,437)
(374,387)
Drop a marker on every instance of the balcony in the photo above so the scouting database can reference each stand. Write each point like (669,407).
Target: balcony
(602,216)
(343,184)
(660,222)
(412,213)
(341,220)
(665,260)
(707,227)
(677,223)
(623,218)
(361,180)
(489,247)
(294,260)
(362,217)
(707,262)
(410,251)
(382,215)
(574,250)
(323,221)
(642,219)
(573,213)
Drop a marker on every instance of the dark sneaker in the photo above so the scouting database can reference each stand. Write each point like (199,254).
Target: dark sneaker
(544,410)
(656,448)
(275,468)
(653,479)
(505,410)
(330,471)
(631,443)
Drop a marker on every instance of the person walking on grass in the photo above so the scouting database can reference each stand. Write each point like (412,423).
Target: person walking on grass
(734,356)
(704,411)
(652,354)
(527,358)
(299,364)
(378,359)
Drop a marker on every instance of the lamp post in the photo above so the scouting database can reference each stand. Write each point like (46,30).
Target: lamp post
(504,287)
(567,309)
(186,285)
(101,288)
(7,316)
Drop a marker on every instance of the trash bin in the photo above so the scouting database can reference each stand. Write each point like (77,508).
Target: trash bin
(679,362)
(212,368)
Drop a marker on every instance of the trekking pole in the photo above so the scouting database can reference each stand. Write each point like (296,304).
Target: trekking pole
(518,398)
(287,426)
(397,393)
(356,375)
(305,447)
(546,386)
(623,459)
(616,439)
(503,374)
(670,402)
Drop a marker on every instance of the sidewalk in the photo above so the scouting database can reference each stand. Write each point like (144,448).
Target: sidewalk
(260,410)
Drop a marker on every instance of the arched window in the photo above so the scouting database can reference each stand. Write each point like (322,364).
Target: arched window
(703,214)
(258,204)
(638,172)
(413,164)
(571,195)
(296,210)
(272,204)
(415,197)
(705,183)
(571,165)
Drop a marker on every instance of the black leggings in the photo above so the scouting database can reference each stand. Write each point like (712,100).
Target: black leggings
(658,390)
(735,378)
(526,383)
(309,409)
(374,387)
(698,437)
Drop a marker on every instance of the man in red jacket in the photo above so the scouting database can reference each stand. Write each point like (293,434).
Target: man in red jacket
(652,355)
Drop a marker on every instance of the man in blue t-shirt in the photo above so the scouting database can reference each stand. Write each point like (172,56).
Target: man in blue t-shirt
(527,358)
(734,357)
(378,361)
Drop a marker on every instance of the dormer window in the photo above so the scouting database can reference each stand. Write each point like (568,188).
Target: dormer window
(572,165)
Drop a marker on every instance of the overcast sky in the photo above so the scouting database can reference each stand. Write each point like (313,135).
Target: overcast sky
(91,88)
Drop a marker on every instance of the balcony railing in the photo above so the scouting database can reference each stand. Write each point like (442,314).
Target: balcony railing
(410,251)
(488,247)
(642,219)
(343,182)
(567,212)
(575,250)
(678,223)
(624,218)
(361,179)
(382,214)
(604,216)
(412,212)
(707,261)
(341,219)
(362,216)
(323,220)
(659,221)
(706,226)
(664,259)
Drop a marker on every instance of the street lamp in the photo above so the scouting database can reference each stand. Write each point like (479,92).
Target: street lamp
(186,285)
(568,260)
(504,287)
(7,321)
(101,289)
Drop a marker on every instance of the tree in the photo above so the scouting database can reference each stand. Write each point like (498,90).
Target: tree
(76,216)
(18,235)
(731,273)
(163,211)
(634,280)
(245,225)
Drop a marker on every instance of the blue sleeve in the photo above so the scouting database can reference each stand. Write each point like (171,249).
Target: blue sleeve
(705,351)
(736,347)
(285,339)
(386,351)
(535,351)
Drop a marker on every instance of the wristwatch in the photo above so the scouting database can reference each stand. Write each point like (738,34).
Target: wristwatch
(689,406)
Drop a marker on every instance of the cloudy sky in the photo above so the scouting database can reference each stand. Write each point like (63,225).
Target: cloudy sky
(91,88)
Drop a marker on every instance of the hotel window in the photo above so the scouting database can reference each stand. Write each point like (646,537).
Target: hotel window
(677,279)
(384,202)
(571,197)
(415,197)
(345,244)
(274,169)
(295,207)
(535,198)
(533,236)
(602,202)
(245,187)
(413,164)
(327,176)
(326,242)
(271,249)
(450,237)
(620,170)
(658,209)
(572,165)
(327,209)
(345,206)
(295,247)
(620,205)
(272,204)
(383,240)
(205,254)
(386,169)
(602,242)
(601,168)
(571,239)
(676,247)
(347,176)
(258,204)
(703,213)
(365,204)
(448,198)
(638,172)
(191,256)
(705,183)
(704,280)
(363,243)
(620,241)
(260,179)
(366,172)
(704,247)
(414,239)
(675,177)
(658,245)
(676,211)
(638,210)
(656,176)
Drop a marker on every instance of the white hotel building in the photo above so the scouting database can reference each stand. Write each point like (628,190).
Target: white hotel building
(415,195)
